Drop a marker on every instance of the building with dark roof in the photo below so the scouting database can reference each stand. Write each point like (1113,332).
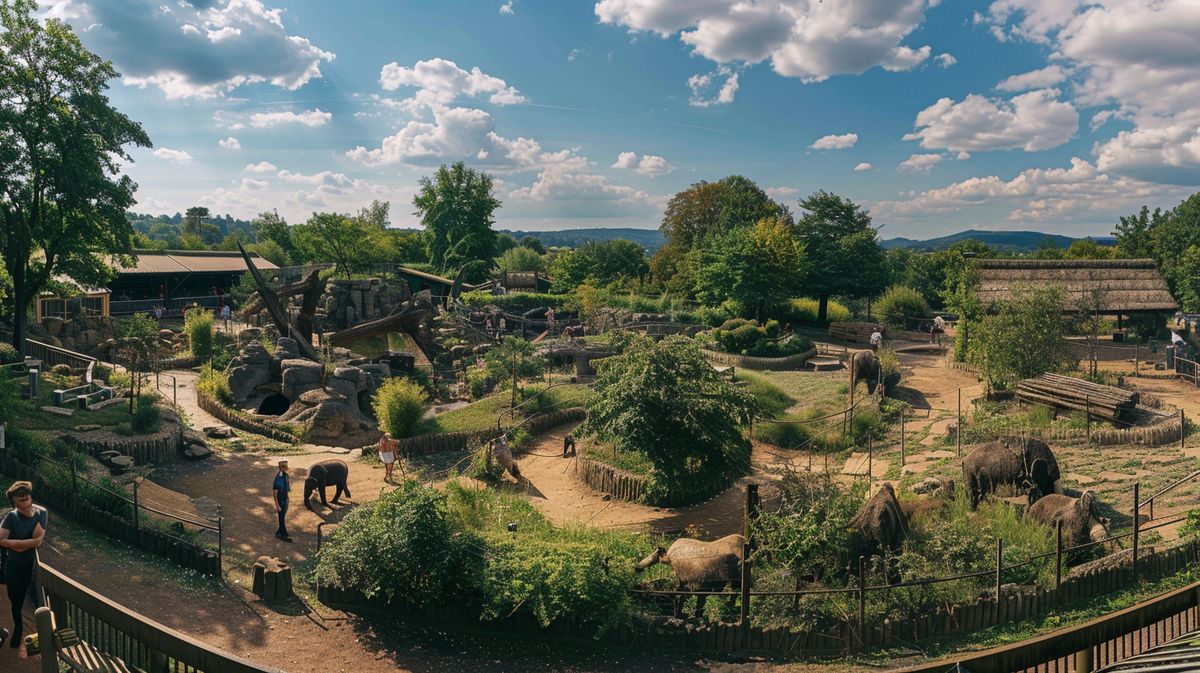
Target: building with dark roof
(1126,286)
(176,279)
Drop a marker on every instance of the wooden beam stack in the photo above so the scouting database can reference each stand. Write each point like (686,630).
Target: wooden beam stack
(854,332)
(1068,392)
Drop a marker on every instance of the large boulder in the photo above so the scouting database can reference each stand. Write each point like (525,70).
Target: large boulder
(378,371)
(250,369)
(325,415)
(299,376)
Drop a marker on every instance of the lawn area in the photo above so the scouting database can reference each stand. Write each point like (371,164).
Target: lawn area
(475,416)
(633,462)
(375,346)
(822,390)
(31,417)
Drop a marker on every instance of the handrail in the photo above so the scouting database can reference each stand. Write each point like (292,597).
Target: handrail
(50,353)
(79,607)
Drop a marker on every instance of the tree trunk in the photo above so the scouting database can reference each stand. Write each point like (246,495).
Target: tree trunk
(20,307)
(822,308)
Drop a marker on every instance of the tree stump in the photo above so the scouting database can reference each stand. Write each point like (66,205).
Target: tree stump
(272,579)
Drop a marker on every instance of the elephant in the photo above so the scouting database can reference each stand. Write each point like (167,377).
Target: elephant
(864,366)
(323,474)
(1081,520)
(1022,462)
(702,566)
(504,456)
(881,520)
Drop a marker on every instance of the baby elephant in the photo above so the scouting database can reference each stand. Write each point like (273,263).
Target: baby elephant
(1081,520)
(327,473)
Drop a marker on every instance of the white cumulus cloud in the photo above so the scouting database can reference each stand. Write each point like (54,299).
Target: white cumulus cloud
(178,156)
(439,81)
(715,88)
(800,38)
(201,49)
(310,118)
(945,60)
(1035,79)
(507,8)
(260,167)
(864,166)
(1031,121)
(647,164)
(919,163)
(230,143)
(835,142)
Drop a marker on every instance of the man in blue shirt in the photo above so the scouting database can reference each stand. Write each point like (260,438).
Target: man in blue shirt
(279,493)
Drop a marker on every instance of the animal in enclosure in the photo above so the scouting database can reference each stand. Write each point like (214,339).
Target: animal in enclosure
(1024,462)
(1080,517)
(702,566)
(881,520)
(504,456)
(864,366)
(324,474)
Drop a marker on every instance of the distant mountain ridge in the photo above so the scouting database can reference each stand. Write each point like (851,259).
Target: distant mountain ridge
(1011,241)
(652,239)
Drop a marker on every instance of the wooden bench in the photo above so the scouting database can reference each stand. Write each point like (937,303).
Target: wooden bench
(84,658)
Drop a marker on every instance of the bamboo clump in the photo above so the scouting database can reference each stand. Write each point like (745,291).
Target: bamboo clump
(1067,392)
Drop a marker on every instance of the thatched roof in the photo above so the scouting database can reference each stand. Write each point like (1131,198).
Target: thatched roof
(1128,285)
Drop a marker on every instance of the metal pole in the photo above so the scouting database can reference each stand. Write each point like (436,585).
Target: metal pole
(999,568)
(1058,556)
(901,436)
(744,616)
(1136,353)
(1088,413)
(1181,424)
(137,527)
(870,461)
(514,380)
(958,427)
(862,599)
(1136,527)
(221,541)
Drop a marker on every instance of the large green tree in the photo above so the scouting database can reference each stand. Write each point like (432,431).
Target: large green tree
(843,252)
(600,263)
(709,209)
(346,241)
(1135,233)
(759,268)
(1022,337)
(456,208)
(62,196)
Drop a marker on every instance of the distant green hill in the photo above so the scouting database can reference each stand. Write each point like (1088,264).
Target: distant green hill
(1012,241)
(650,239)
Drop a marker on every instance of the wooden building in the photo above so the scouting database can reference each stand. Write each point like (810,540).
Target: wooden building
(1125,286)
(175,279)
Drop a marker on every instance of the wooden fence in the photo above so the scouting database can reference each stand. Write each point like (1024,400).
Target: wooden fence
(118,632)
(242,420)
(752,362)
(157,447)
(605,478)
(54,355)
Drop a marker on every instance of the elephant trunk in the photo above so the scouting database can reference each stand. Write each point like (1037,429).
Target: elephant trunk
(1096,531)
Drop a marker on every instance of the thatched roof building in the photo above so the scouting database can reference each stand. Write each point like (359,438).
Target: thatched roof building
(1128,285)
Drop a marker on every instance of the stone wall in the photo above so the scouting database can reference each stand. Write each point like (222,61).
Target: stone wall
(346,303)
(751,362)
(81,334)
(156,447)
(242,421)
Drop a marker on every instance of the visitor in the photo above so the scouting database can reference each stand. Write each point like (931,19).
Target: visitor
(226,313)
(549,321)
(21,533)
(876,339)
(387,454)
(568,445)
(503,326)
(279,492)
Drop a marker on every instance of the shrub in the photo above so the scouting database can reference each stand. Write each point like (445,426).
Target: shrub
(118,379)
(804,310)
(747,337)
(402,546)
(8,354)
(145,417)
(198,325)
(61,370)
(893,373)
(900,305)
(215,383)
(399,404)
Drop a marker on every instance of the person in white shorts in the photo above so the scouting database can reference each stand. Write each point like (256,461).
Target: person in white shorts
(387,453)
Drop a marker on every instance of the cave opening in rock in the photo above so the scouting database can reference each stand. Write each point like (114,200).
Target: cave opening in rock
(274,405)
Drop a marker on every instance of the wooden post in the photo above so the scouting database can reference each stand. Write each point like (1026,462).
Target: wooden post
(1181,424)
(744,617)
(1058,548)
(221,541)
(846,420)
(1136,358)
(514,381)
(45,631)
(1083,660)
(1136,527)
(74,479)
(751,510)
(137,528)
(870,462)
(901,436)
(958,427)
(1088,413)
(862,599)
(999,569)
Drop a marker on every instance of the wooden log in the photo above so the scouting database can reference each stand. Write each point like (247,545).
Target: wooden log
(272,579)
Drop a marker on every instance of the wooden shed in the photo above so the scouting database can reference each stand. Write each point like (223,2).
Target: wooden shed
(1127,286)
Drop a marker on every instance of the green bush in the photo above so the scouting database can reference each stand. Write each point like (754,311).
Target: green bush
(747,337)
(399,404)
(8,354)
(900,305)
(893,372)
(198,325)
(145,417)
(215,383)
(402,546)
(518,302)
(804,310)
(772,400)
(119,379)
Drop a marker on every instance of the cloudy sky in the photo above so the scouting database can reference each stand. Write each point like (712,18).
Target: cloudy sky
(1056,115)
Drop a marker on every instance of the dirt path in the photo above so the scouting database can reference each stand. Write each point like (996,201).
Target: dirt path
(550,483)
(185,395)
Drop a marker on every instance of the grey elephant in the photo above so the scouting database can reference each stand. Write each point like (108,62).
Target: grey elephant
(1081,520)
(882,521)
(702,566)
(1024,462)
(864,366)
(324,474)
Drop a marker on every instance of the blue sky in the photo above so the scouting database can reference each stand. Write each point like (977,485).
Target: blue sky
(1015,114)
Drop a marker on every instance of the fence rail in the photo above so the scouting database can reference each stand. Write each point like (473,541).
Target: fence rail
(55,355)
(140,642)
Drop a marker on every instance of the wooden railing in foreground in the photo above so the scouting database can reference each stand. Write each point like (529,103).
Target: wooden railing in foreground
(139,641)
(1082,648)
